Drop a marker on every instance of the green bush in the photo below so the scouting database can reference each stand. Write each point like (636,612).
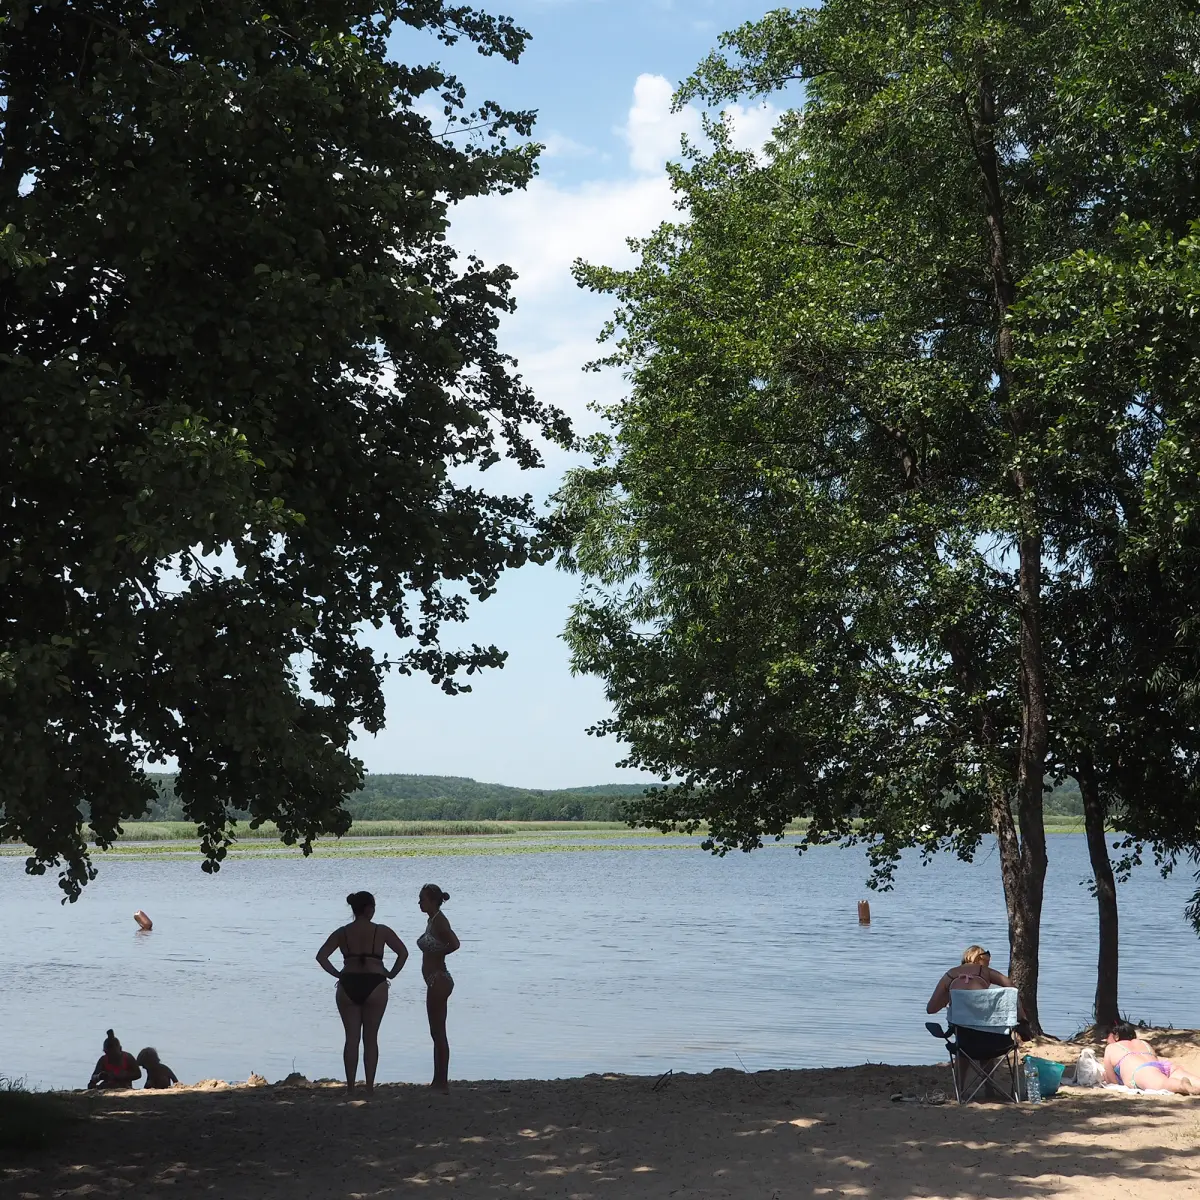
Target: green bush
(31,1120)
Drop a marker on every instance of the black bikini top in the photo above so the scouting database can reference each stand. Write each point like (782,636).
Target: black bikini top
(354,954)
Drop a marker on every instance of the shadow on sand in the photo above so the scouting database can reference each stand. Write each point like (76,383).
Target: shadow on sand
(773,1136)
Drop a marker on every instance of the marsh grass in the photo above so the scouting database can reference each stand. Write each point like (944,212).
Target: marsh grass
(418,839)
(31,1120)
(184,831)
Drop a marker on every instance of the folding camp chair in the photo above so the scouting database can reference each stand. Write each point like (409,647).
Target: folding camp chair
(980,1042)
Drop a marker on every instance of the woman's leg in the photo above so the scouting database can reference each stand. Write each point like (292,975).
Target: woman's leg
(372,1013)
(352,1019)
(1187,1079)
(436,996)
(1151,1079)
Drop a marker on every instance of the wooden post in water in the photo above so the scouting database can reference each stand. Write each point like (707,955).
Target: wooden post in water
(864,912)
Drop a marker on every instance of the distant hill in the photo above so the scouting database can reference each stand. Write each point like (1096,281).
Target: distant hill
(453,798)
(457,798)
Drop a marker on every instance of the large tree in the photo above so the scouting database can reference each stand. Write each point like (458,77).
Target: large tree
(822,546)
(239,365)
(1116,331)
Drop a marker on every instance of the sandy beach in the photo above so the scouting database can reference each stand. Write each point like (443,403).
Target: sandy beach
(774,1135)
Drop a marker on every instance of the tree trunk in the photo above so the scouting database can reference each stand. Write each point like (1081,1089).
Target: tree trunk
(1026,934)
(1094,813)
(1023,879)
(1023,866)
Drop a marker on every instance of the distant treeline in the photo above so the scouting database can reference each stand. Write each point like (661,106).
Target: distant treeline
(451,798)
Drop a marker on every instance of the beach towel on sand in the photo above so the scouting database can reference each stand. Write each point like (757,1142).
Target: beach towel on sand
(991,1008)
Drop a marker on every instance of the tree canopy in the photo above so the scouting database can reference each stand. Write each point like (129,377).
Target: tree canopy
(239,364)
(838,551)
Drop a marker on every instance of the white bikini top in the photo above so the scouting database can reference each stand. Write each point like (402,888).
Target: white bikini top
(430,943)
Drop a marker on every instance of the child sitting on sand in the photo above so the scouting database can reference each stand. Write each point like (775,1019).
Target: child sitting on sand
(158,1074)
(115,1068)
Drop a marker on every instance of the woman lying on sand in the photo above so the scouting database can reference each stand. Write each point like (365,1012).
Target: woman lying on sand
(116,1067)
(974,974)
(1131,1061)
(362,990)
(435,943)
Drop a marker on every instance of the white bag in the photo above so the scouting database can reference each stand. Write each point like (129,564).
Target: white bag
(1088,1071)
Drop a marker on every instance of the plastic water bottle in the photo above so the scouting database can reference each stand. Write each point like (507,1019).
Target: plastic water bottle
(1033,1083)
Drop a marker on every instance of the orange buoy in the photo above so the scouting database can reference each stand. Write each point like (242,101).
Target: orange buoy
(143,921)
(864,912)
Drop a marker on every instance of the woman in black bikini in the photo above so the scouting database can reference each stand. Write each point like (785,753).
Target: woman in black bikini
(435,943)
(362,990)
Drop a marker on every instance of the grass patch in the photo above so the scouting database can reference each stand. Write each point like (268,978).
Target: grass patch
(31,1120)
(184,831)
(415,839)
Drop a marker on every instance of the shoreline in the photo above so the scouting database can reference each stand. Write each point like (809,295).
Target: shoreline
(773,1134)
(400,839)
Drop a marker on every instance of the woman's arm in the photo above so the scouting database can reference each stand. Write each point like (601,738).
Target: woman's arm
(98,1072)
(1110,1074)
(331,944)
(941,995)
(442,931)
(393,942)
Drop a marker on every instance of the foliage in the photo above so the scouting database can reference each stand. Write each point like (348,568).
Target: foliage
(446,798)
(1118,330)
(839,548)
(239,365)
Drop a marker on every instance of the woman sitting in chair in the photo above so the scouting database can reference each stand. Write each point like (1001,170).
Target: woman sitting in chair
(973,973)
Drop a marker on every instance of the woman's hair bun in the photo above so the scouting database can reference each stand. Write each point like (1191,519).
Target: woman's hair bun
(445,897)
(350,898)
(111,1034)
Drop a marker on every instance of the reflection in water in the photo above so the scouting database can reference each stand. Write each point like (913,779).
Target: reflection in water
(613,960)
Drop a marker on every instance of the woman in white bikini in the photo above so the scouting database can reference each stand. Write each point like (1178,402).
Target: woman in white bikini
(1131,1061)
(362,990)
(435,943)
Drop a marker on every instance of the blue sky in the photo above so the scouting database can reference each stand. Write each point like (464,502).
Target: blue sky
(600,74)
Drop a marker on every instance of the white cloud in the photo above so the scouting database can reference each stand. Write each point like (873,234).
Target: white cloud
(541,231)
(751,124)
(652,130)
(558,145)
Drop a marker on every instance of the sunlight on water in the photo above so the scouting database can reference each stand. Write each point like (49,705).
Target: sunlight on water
(620,960)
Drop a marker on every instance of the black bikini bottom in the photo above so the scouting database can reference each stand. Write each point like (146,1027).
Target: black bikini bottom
(359,986)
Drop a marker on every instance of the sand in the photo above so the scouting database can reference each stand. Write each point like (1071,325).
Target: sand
(775,1135)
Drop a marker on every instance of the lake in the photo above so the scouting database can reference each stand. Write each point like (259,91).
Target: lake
(632,960)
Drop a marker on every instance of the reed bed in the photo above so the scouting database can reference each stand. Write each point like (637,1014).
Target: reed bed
(184,831)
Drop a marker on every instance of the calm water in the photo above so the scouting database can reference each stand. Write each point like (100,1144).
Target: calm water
(620,960)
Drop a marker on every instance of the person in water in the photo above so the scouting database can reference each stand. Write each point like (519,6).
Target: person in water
(362,990)
(435,943)
(1131,1061)
(115,1068)
(975,974)
(158,1074)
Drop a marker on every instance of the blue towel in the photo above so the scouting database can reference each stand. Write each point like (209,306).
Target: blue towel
(992,1009)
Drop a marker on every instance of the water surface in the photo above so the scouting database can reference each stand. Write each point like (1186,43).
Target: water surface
(632,960)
